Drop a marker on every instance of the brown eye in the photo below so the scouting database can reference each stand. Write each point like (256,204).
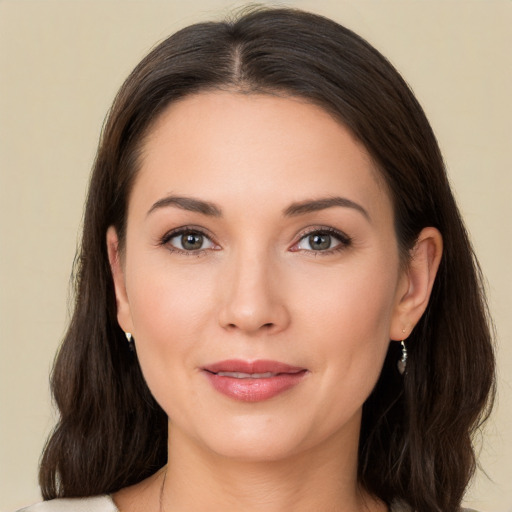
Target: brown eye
(188,241)
(323,241)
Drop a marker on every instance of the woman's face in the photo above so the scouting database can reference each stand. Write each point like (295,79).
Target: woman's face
(260,277)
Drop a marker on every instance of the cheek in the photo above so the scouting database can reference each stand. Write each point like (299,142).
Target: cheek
(349,318)
(354,298)
(166,299)
(347,337)
(169,316)
(171,311)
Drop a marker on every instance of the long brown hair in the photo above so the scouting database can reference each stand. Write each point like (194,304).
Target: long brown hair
(416,437)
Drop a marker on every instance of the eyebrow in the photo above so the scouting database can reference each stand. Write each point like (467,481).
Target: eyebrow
(295,209)
(316,205)
(187,203)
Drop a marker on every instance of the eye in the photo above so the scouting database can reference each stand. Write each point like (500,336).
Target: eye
(322,240)
(188,241)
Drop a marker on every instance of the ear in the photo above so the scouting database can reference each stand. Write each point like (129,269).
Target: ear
(416,283)
(116,266)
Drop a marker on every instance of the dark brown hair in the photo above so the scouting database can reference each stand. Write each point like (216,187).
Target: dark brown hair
(416,438)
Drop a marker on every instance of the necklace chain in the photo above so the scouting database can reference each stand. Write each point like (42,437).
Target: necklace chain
(161,499)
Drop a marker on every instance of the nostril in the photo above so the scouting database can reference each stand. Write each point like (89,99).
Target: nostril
(267,326)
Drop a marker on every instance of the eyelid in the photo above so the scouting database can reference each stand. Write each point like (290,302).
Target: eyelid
(342,237)
(169,235)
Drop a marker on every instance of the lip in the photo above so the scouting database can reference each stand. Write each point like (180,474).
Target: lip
(283,378)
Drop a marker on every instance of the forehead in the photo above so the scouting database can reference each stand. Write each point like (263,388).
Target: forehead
(258,147)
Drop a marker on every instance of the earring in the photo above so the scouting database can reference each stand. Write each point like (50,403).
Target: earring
(402,363)
(130,339)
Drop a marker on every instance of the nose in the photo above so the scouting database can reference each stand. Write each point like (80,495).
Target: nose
(253,298)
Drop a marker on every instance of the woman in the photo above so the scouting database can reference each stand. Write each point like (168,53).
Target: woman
(268,209)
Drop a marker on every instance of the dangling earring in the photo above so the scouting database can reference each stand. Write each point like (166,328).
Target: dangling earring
(402,363)
(130,339)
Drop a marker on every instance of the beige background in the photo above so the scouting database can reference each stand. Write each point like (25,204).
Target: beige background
(60,65)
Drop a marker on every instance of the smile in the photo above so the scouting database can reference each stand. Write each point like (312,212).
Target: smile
(253,381)
(239,375)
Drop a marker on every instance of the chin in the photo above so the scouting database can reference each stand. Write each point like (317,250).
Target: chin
(251,439)
(256,449)
(268,438)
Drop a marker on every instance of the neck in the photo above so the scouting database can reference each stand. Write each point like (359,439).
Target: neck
(198,479)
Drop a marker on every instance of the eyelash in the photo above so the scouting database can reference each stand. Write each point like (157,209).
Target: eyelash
(344,240)
(165,241)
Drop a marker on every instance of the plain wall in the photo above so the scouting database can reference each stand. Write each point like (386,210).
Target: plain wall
(61,63)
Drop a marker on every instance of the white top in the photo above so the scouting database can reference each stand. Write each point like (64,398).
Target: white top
(106,504)
(94,504)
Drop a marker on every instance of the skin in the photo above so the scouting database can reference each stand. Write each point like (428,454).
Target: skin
(258,289)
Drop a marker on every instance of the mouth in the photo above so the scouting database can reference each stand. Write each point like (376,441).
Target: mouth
(240,375)
(253,381)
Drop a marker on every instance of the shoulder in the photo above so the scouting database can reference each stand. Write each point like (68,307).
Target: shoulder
(91,504)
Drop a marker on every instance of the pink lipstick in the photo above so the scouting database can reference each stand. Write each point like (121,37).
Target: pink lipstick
(253,381)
